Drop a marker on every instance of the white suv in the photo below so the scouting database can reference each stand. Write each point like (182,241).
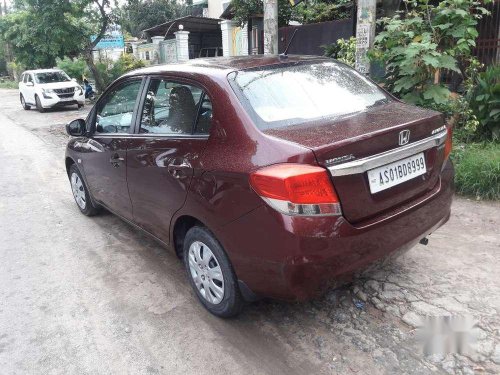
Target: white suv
(47,88)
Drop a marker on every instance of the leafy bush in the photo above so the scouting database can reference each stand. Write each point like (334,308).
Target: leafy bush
(8,84)
(417,45)
(477,170)
(343,50)
(485,103)
(109,70)
(75,68)
(104,67)
(124,64)
(15,69)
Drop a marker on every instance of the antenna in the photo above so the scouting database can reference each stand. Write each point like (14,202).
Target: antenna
(285,52)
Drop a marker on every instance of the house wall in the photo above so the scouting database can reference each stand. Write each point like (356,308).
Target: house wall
(168,51)
(112,54)
(149,53)
(216,7)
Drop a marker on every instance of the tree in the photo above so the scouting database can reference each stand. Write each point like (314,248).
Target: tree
(309,11)
(99,10)
(313,11)
(138,15)
(245,9)
(40,31)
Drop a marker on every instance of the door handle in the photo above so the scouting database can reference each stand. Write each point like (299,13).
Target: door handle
(116,160)
(177,170)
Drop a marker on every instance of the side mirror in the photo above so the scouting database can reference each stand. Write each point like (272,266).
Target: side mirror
(29,84)
(73,79)
(76,128)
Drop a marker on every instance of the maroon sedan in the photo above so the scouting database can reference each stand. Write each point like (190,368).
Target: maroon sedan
(269,176)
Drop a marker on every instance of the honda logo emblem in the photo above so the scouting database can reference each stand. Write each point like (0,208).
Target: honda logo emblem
(404,137)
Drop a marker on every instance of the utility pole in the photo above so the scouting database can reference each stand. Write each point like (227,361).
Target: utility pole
(270,27)
(365,33)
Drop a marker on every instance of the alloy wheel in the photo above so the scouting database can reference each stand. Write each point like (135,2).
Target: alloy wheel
(206,272)
(78,191)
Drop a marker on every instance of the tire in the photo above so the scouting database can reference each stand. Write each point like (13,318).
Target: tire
(204,266)
(23,103)
(80,106)
(39,106)
(81,193)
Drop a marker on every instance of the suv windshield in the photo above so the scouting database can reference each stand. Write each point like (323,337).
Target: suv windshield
(280,96)
(51,77)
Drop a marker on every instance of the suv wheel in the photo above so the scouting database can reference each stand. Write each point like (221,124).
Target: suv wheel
(39,104)
(81,193)
(23,103)
(210,273)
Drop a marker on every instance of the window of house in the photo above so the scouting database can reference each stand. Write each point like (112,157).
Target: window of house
(147,55)
(174,108)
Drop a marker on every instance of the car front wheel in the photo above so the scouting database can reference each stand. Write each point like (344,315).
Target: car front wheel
(210,273)
(23,103)
(81,193)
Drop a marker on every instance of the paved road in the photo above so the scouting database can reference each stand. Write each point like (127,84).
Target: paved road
(94,296)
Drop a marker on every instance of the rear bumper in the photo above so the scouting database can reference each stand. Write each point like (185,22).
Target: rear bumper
(296,258)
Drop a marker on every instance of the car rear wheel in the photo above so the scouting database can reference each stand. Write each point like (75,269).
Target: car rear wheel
(81,193)
(23,103)
(210,273)
(39,106)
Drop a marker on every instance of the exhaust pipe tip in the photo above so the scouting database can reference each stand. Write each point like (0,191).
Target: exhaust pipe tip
(424,241)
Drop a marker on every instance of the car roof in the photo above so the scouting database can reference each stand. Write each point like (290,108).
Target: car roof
(43,70)
(225,65)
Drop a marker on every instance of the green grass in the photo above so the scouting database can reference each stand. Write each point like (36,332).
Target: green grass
(8,84)
(477,170)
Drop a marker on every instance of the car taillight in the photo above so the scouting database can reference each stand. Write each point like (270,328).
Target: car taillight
(296,189)
(448,143)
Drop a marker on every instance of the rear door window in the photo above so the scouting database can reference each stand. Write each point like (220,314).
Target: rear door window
(175,108)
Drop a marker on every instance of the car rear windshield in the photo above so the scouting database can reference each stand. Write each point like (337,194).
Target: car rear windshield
(51,77)
(280,96)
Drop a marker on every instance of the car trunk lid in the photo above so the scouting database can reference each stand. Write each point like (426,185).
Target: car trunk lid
(360,136)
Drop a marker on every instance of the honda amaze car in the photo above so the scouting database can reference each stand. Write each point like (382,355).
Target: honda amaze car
(48,88)
(269,176)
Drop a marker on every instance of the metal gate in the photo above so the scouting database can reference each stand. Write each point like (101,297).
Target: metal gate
(488,42)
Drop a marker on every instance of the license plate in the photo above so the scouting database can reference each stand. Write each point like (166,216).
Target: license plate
(66,99)
(393,174)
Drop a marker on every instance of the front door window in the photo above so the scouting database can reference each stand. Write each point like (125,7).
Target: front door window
(115,112)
